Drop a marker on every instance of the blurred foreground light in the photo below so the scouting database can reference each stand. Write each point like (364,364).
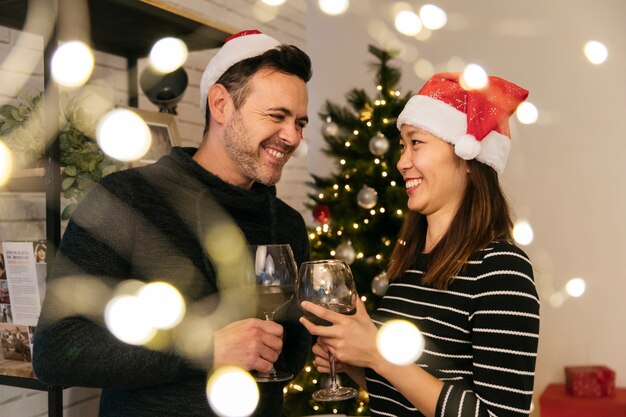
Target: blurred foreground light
(232,392)
(474,77)
(408,23)
(123,135)
(6,163)
(168,54)
(433,17)
(523,233)
(273,2)
(575,287)
(334,7)
(163,304)
(302,149)
(527,113)
(127,320)
(596,52)
(423,69)
(72,64)
(400,342)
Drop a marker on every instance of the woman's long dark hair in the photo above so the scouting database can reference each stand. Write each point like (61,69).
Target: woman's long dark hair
(483,216)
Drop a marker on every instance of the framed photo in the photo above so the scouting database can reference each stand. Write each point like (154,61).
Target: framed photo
(164,135)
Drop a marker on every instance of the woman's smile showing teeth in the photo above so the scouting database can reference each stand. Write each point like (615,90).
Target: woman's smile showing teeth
(412,184)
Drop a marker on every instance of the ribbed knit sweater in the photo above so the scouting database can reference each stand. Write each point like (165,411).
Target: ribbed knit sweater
(481,336)
(149,224)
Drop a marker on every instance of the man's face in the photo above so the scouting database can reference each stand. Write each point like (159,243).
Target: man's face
(263,133)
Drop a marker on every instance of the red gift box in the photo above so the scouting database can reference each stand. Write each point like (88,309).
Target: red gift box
(589,381)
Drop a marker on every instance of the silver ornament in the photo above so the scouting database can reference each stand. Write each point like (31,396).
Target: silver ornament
(367,197)
(379,144)
(346,252)
(380,283)
(330,128)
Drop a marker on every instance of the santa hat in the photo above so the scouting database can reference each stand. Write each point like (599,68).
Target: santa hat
(243,45)
(475,121)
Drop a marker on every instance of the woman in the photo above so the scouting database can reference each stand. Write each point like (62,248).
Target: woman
(456,273)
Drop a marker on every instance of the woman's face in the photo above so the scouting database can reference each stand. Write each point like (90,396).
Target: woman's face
(434,176)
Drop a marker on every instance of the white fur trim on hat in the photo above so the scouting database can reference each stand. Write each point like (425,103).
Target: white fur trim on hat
(232,52)
(494,150)
(434,116)
(467,147)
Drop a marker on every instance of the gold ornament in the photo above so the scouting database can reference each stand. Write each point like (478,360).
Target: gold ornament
(366,112)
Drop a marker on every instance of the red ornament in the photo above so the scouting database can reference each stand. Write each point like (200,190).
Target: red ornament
(321,213)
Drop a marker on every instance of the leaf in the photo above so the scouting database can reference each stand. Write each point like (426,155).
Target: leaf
(109,170)
(84,180)
(67,183)
(67,211)
(70,171)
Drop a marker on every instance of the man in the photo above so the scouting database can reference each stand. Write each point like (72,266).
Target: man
(168,222)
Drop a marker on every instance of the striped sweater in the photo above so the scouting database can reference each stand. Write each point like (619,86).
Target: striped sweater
(481,336)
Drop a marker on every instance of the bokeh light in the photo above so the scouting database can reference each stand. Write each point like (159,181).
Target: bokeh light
(400,342)
(596,52)
(433,17)
(6,163)
(123,135)
(72,64)
(334,7)
(163,304)
(264,12)
(474,77)
(423,69)
(302,149)
(232,392)
(127,320)
(575,287)
(168,54)
(527,113)
(408,23)
(523,232)
(273,2)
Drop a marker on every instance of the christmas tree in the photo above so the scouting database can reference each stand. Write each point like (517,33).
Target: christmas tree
(358,209)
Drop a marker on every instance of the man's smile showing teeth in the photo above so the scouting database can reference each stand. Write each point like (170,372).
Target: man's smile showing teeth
(413,183)
(276,154)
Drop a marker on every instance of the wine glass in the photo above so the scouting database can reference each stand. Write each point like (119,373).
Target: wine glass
(328,283)
(276,274)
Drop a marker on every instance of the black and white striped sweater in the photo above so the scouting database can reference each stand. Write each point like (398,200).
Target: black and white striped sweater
(481,336)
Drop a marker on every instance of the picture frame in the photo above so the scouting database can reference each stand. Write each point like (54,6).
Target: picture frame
(164,135)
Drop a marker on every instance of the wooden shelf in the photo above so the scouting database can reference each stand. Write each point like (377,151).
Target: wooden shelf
(130,27)
(26,180)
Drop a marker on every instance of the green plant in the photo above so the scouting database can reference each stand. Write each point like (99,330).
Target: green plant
(83,163)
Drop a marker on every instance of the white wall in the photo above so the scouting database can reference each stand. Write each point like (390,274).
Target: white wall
(565,174)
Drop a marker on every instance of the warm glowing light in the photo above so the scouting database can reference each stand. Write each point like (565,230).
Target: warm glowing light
(334,7)
(400,342)
(163,304)
(433,17)
(6,163)
(232,392)
(302,150)
(408,23)
(127,320)
(273,2)
(123,135)
(72,64)
(423,69)
(474,77)
(596,52)
(523,232)
(575,287)
(527,113)
(168,54)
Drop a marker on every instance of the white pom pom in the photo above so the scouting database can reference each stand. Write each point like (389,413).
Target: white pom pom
(467,147)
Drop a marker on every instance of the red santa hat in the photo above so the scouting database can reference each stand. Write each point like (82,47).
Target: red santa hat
(475,121)
(242,45)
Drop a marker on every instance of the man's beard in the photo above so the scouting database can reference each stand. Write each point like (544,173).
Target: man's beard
(238,147)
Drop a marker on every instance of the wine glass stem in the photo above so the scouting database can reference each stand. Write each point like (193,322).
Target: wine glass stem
(270,317)
(333,376)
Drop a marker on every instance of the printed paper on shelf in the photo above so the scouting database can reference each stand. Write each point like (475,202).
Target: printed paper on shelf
(25,284)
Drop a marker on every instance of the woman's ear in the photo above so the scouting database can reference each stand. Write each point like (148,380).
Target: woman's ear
(218,102)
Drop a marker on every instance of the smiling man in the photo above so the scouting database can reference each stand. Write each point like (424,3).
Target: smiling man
(150,224)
